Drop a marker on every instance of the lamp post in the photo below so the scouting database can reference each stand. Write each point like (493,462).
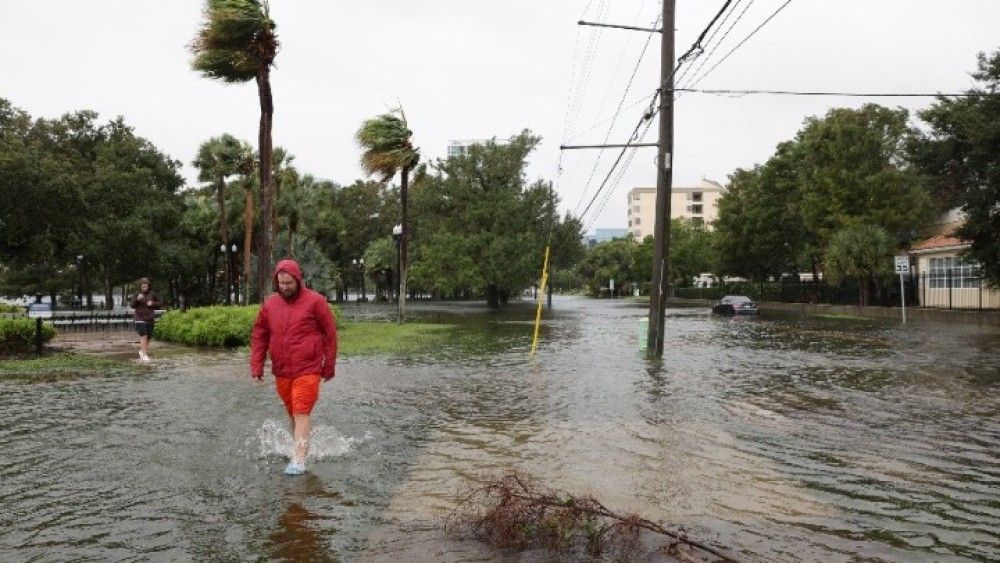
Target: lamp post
(397,234)
(79,277)
(229,280)
(233,250)
(360,264)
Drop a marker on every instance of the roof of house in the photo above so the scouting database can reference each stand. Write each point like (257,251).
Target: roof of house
(939,242)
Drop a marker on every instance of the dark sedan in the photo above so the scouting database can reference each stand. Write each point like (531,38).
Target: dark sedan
(735,305)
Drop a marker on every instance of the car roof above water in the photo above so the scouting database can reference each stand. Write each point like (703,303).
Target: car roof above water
(736,299)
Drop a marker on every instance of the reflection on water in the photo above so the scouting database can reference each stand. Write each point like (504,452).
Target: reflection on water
(779,438)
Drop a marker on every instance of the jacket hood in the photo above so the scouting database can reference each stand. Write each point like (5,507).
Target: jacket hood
(290,267)
(145,281)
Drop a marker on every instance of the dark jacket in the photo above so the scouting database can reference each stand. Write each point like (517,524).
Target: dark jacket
(144,312)
(299,333)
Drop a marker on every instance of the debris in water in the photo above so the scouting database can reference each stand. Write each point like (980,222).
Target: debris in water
(513,511)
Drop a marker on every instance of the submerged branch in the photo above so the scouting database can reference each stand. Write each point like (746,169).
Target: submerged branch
(512,511)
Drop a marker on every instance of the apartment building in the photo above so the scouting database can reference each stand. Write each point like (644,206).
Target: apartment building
(699,203)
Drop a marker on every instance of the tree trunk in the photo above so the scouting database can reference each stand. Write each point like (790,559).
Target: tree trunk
(493,296)
(109,294)
(247,242)
(403,241)
(264,258)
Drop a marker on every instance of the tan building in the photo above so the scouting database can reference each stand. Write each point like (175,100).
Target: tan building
(699,203)
(945,278)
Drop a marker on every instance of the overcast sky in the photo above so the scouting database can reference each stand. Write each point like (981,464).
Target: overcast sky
(476,69)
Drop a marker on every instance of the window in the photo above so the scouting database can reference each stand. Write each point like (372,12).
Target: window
(952,272)
(635,221)
(637,208)
(696,196)
(696,209)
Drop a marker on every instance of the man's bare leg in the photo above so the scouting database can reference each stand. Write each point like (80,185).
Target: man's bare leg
(301,427)
(144,347)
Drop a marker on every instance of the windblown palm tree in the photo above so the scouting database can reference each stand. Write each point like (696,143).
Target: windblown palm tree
(237,43)
(388,148)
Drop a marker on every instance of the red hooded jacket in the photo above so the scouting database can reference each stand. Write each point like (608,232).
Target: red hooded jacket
(300,333)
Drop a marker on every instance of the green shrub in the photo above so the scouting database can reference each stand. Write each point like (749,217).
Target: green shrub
(210,326)
(17,336)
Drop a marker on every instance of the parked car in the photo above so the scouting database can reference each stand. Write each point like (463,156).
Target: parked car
(735,305)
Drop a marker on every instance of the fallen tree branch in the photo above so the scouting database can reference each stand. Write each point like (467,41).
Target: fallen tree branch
(510,510)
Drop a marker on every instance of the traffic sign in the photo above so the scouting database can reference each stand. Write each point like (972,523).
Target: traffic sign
(903,264)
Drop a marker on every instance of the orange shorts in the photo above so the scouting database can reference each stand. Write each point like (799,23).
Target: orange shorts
(298,393)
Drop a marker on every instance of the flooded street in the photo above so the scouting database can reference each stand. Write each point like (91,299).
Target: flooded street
(777,438)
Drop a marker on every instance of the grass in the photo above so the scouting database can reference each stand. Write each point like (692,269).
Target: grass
(61,364)
(372,338)
(841,317)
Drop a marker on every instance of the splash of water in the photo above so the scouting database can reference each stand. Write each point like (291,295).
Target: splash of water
(275,439)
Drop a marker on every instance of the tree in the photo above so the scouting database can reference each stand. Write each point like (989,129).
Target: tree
(611,260)
(960,158)
(480,211)
(852,166)
(388,149)
(237,43)
(218,158)
(691,249)
(759,232)
(859,251)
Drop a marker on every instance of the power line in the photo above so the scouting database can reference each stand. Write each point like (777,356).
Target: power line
(614,119)
(740,44)
(812,93)
(722,40)
(693,52)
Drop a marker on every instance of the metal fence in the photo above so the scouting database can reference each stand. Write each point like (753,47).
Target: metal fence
(945,290)
(80,321)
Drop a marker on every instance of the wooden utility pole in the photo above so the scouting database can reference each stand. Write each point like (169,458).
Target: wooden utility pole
(660,283)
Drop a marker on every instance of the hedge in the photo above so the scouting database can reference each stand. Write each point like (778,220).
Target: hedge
(210,326)
(17,336)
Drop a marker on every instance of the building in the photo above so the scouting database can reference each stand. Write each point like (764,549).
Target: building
(700,204)
(460,147)
(944,277)
(603,235)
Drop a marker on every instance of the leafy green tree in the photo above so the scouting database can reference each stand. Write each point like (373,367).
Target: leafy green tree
(852,166)
(611,260)
(692,251)
(380,265)
(388,148)
(960,158)
(759,230)
(480,206)
(859,251)
(237,43)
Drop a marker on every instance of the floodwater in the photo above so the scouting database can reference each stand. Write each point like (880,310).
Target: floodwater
(777,438)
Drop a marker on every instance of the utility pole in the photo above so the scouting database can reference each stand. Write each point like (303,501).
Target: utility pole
(660,282)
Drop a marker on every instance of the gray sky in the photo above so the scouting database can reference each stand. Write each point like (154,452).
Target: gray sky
(477,69)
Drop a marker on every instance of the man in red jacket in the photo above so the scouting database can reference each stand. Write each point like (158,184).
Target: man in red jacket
(296,327)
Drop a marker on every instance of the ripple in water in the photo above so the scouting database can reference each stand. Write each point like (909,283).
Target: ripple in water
(274,439)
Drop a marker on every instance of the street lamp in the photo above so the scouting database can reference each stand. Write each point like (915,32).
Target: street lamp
(397,234)
(360,263)
(229,279)
(235,273)
(79,274)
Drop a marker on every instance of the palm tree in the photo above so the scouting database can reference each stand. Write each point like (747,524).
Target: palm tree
(237,43)
(219,158)
(388,148)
